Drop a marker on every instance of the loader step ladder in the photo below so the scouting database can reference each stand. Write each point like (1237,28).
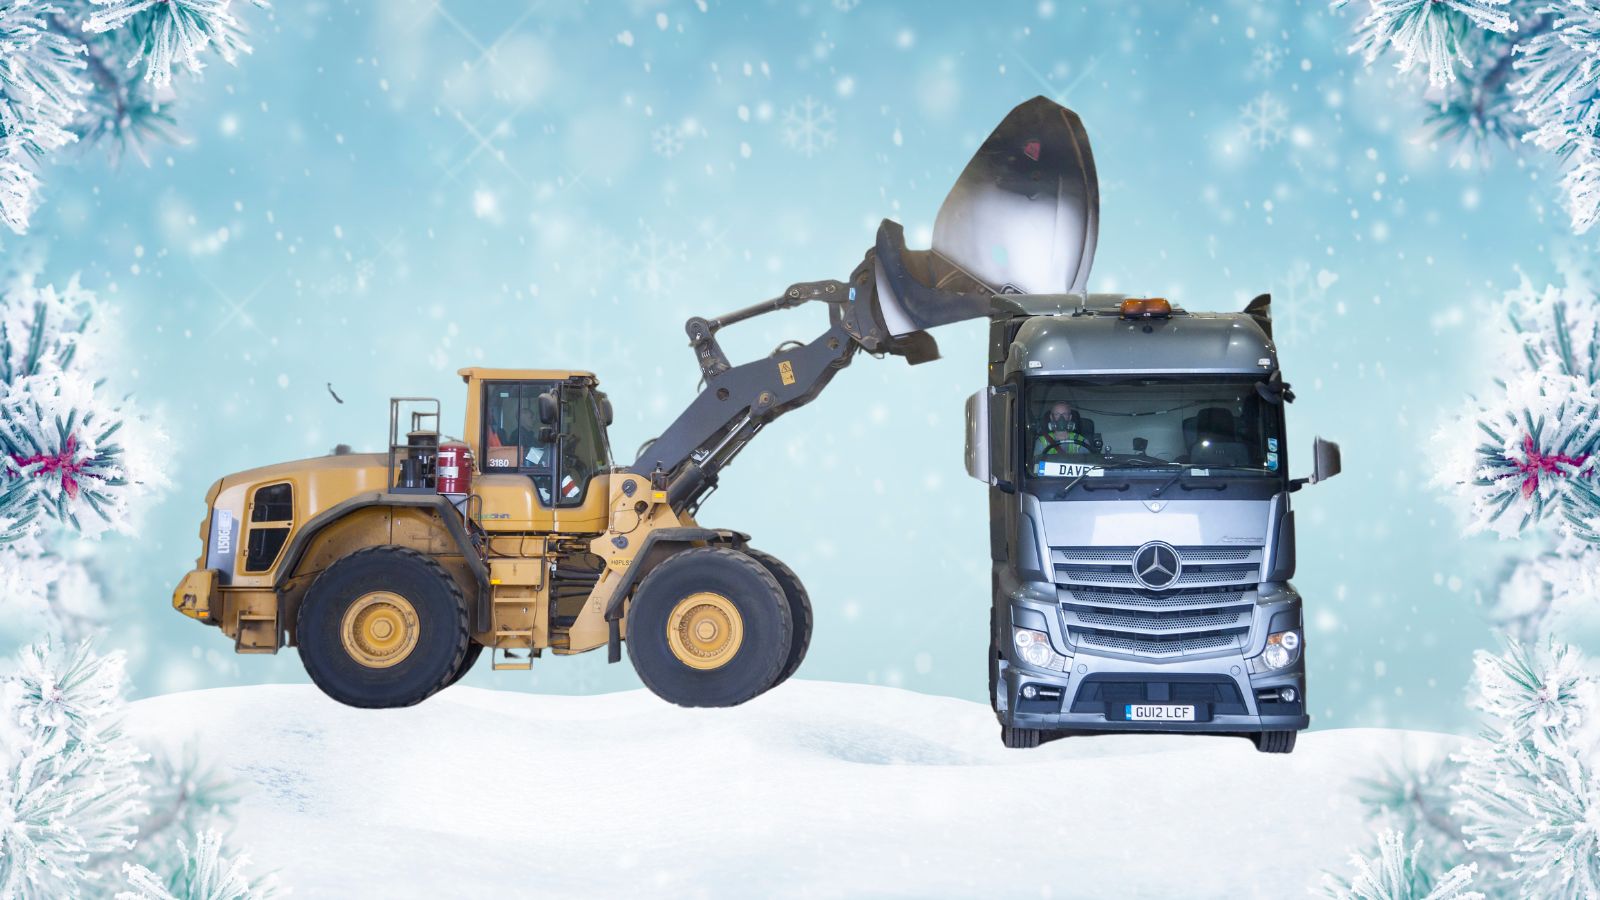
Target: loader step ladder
(258,633)
(504,658)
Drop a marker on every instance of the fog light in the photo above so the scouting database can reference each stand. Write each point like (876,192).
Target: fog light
(1287,695)
(1029,692)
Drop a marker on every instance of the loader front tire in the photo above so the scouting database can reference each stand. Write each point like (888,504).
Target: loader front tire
(383,627)
(474,650)
(710,626)
(799,609)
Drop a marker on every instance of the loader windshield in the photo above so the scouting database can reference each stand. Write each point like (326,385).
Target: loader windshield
(1072,426)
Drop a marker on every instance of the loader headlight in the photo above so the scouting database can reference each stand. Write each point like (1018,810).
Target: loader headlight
(1033,648)
(1282,649)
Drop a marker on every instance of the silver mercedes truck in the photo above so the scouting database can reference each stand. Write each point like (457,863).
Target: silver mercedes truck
(1140,524)
(1135,453)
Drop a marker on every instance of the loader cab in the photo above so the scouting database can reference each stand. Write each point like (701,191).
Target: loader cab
(538,429)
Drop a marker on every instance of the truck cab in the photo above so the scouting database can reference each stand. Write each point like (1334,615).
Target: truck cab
(1141,531)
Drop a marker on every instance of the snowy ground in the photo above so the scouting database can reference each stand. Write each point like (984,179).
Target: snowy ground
(813,789)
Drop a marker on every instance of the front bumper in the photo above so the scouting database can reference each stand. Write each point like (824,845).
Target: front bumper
(1095,691)
(196,596)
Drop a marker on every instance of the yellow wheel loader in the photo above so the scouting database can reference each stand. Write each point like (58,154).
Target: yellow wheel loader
(392,571)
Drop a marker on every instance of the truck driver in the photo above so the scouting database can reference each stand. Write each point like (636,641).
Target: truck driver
(1061,433)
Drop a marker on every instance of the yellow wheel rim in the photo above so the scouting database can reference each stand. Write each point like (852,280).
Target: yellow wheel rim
(705,630)
(380,629)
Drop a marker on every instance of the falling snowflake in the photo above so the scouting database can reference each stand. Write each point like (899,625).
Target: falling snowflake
(655,264)
(808,126)
(1263,121)
(667,140)
(846,5)
(1266,59)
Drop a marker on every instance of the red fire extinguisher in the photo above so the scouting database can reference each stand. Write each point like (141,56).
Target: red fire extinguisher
(454,468)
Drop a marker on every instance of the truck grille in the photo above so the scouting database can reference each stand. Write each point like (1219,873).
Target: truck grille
(1209,609)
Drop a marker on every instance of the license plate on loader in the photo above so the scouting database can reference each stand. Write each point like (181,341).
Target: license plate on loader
(1159,712)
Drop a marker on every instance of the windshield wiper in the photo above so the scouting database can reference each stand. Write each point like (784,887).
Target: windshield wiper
(1168,483)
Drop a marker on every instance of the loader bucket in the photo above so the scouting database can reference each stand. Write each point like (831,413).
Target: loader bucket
(1022,219)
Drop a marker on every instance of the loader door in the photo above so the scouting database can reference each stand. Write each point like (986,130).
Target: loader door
(583,448)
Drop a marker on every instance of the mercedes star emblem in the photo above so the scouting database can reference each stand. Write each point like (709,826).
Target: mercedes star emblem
(1156,565)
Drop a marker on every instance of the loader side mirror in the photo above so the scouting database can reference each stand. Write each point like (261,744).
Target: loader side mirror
(978,435)
(605,408)
(549,408)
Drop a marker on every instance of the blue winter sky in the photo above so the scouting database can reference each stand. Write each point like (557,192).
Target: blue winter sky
(384,192)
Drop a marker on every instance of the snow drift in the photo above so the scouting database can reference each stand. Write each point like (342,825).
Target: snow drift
(813,789)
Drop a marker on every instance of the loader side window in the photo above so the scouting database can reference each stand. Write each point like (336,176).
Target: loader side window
(271,520)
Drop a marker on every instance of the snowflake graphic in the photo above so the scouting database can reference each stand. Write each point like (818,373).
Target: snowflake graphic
(1304,308)
(1266,59)
(1264,121)
(667,140)
(808,126)
(656,264)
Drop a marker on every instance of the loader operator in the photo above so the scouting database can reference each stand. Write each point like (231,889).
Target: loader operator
(520,431)
(1061,434)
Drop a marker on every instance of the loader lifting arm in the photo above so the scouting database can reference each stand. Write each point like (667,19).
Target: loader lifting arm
(736,402)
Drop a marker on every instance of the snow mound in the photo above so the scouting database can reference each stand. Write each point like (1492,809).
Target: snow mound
(813,789)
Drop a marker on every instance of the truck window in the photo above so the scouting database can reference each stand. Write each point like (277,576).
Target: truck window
(1133,422)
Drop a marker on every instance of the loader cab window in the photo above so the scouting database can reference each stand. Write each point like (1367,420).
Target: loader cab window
(511,429)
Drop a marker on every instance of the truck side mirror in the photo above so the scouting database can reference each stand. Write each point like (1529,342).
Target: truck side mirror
(549,410)
(1326,460)
(978,435)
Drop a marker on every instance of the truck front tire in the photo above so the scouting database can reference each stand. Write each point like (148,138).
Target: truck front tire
(1275,741)
(710,626)
(383,627)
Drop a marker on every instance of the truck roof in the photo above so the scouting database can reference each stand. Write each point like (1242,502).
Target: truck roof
(1083,334)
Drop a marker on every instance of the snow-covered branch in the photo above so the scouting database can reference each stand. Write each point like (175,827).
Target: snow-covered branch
(70,70)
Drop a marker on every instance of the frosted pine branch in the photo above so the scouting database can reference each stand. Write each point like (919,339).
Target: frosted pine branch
(171,33)
(1529,792)
(70,69)
(204,873)
(1428,33)
(69,785)
(1396,872)
(69,452)
(1541,81)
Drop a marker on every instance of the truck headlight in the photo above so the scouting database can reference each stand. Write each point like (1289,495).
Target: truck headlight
(1033,648)
(1282,649)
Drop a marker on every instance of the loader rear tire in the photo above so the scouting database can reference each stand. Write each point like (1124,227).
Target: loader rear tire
(799,609)
(710,626)
(383,627)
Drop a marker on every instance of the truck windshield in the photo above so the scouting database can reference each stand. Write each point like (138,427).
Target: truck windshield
(1073,426)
